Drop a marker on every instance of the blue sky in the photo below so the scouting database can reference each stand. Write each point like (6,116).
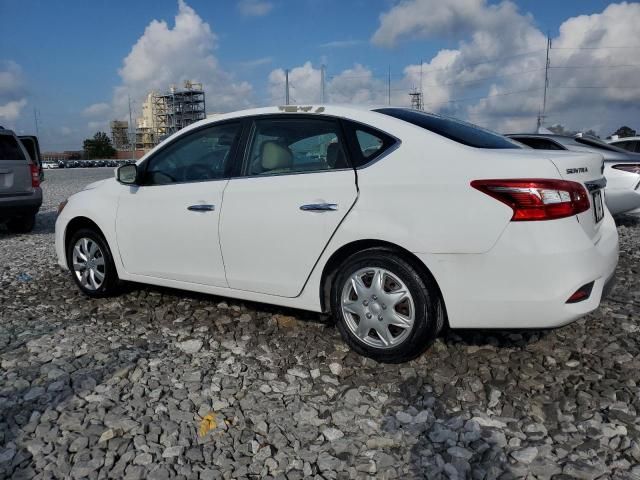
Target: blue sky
(67,55)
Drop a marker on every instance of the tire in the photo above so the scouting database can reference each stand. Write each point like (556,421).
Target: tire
(22,224)
(92,246)
(420,312)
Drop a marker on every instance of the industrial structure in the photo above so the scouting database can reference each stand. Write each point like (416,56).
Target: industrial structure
(120,134)
(162,115)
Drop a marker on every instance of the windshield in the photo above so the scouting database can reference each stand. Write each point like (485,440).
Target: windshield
(451,128)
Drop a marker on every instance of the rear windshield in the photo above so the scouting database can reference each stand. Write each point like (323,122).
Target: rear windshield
(9,148)
(456,130)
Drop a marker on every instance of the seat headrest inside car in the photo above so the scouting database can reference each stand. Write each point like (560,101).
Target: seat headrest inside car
(275,156)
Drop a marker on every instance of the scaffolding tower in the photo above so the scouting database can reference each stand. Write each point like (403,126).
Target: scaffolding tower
(120,134)
(176,109)
(416,100)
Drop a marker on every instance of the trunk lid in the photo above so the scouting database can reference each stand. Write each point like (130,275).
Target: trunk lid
(586,168)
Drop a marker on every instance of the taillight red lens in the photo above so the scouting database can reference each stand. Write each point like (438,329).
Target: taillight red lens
(537,199)
(628,167)
(35,175)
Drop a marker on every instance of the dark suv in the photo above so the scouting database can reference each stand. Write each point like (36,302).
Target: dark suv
(20,177)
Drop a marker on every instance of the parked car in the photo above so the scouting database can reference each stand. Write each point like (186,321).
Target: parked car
(621,168)
(631,144)
(20,192)
(441,220)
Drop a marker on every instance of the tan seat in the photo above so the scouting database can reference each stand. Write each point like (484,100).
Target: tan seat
(275,157)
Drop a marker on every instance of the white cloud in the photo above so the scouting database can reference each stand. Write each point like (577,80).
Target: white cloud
(304,84)
(13,91)
(502,51)
(97,109)
(168,55)
(11,110)
(254,8)
(341,44)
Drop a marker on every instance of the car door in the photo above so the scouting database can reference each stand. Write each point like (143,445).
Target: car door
(167,226)
(296,186)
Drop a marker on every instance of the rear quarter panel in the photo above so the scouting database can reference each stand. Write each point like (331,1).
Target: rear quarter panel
(419,196)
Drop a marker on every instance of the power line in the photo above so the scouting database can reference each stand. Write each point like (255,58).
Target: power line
(597,86)
(595,48)
(635,65)
(491,96)
(495,60)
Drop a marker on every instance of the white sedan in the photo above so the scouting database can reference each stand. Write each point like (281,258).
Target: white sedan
(395,221)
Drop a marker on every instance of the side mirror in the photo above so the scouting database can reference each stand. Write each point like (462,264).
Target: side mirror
(127,174)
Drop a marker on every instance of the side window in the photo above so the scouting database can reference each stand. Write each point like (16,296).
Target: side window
(281,146)
(367,142)
(199,156)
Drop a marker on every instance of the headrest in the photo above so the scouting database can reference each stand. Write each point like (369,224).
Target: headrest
(275,156)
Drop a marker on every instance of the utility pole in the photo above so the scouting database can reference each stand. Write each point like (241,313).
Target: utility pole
(322,68)
(35,119)
(286,87)
(389,85)
(132,132)
(542,115)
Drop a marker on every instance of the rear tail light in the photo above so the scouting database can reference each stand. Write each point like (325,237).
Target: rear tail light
(628,167)
(35,175)
(537,199)
(581,294)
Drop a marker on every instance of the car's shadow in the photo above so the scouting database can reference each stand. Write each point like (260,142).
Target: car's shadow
(45,225)
(516,338)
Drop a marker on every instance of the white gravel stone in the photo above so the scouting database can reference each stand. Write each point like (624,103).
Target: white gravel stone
(190,346)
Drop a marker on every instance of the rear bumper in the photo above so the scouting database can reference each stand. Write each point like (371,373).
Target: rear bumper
(20,205)
(621,201)
(525,280)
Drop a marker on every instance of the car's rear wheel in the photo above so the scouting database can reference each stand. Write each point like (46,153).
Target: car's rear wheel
(385,309)
(22,224)
(91,264)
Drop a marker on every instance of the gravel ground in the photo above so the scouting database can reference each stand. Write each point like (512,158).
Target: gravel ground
(120,388)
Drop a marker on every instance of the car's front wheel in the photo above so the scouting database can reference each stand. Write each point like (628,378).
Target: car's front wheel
(91,264)
(384,308)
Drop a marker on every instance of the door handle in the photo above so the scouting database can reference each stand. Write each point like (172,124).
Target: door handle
(202,208)
(319,207)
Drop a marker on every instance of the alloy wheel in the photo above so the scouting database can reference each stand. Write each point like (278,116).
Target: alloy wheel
(88,263)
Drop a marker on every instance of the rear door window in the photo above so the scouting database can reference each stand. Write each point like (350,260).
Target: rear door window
(283,146)
(451,128)
(9,148)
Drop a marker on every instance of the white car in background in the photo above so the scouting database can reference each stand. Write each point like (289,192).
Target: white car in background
(391,219)
(630,144)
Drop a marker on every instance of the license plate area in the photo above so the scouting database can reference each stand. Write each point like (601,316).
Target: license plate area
(598,206)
